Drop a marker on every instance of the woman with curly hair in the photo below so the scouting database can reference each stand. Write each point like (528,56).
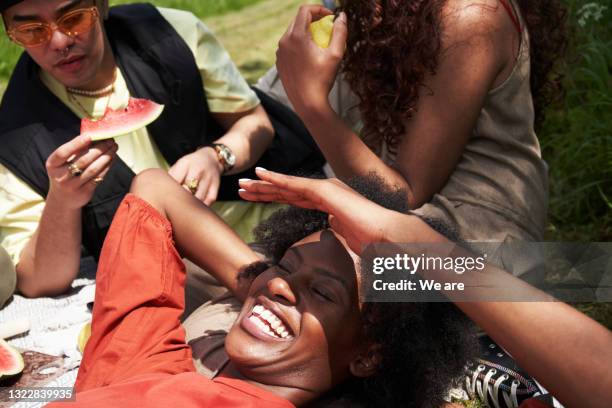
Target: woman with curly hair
(449,94)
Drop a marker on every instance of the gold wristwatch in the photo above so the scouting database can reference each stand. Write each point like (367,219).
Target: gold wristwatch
(225,155)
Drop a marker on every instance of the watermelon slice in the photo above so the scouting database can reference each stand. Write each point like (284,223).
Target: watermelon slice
(137,114)
(11,362)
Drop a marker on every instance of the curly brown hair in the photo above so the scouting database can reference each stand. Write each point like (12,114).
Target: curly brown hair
(423,346)
(394,44)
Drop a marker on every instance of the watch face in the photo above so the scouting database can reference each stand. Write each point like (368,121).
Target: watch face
(228,156)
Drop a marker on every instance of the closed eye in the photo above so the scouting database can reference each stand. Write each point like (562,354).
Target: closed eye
(322,293)
(284,269)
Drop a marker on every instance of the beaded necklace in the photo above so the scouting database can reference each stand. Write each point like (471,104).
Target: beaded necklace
(85,111)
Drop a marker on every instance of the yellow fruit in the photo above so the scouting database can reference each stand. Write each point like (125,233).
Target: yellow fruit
(84,335)
(321,31)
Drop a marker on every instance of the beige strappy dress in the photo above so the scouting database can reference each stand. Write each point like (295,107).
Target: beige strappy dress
(499,190)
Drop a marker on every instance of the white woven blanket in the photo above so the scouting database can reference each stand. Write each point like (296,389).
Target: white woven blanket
(55,324)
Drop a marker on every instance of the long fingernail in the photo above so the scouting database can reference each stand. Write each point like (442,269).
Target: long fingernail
(244,180)
(260,169)
(242,190)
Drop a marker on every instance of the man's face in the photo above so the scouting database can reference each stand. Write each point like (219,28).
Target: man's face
(73,61)
(300,327)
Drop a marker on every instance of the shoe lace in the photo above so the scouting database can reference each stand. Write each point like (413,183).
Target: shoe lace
(484,389)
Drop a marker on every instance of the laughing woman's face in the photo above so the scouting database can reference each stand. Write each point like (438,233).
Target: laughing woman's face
(300,327)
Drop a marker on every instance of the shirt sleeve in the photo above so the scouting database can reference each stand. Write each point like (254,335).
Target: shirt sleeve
(225,88)
(20,212)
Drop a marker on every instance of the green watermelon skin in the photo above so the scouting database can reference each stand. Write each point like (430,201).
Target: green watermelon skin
(117,122)
(11,361)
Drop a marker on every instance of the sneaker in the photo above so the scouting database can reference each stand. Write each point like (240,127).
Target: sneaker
(496,380)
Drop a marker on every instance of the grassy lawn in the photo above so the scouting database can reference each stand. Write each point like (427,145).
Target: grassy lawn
(252,35)
(249,29)
(201,8)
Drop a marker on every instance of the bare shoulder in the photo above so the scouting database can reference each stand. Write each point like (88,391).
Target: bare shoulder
(477,22)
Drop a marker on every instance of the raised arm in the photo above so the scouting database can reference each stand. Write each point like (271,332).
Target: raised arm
(569,353)
(475,56)
(200,235)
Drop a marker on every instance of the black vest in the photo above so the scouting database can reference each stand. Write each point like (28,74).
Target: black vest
(156,64)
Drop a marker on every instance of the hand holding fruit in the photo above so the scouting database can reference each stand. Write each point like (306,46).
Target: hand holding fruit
(306,69)
(76,168)
(322,30)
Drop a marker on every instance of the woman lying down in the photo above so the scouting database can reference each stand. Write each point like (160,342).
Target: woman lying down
(301,331)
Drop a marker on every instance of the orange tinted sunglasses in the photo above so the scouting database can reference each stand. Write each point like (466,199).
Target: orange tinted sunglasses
(71,24)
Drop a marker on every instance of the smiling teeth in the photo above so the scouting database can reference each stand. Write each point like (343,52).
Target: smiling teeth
(269,322)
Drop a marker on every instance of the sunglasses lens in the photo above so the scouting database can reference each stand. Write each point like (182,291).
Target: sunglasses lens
(77,22)
(72,24)
(31,34)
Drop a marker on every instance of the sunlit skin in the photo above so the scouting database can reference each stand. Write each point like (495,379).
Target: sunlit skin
(84,61)
(314,291)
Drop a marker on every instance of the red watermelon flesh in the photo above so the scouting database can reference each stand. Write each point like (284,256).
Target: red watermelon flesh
(11,362)
(137,114)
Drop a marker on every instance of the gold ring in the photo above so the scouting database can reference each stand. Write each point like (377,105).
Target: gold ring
(97,180)
(192,185)
(74,170)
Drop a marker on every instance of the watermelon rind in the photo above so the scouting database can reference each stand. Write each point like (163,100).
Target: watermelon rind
(139,121)
(11,361)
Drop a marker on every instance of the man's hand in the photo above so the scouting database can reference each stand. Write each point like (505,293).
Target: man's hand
(201,168)
(76,168)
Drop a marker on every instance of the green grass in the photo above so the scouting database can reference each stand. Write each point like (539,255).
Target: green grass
(204,9)
(577,136)
(9,53)
(251,35)
(201,8)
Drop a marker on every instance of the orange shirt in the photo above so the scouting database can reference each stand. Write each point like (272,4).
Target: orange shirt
(137,355)
(186,390)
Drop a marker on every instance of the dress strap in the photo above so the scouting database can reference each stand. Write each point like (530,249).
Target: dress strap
(512,15)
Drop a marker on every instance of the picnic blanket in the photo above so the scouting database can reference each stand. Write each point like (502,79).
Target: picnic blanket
(55,324)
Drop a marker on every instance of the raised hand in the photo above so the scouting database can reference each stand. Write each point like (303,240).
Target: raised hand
(307,71)
(357,219)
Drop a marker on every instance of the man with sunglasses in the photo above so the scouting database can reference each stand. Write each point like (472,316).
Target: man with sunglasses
(59,191)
